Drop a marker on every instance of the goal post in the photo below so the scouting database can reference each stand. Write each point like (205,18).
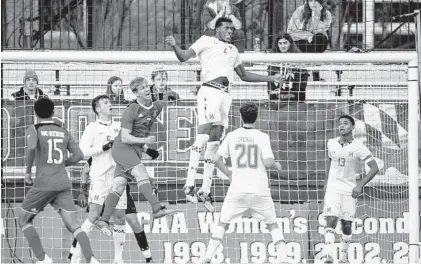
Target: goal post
(374,75)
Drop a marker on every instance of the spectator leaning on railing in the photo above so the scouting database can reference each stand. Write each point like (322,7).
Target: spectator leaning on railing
(160,89)
(215,9)
(29,90)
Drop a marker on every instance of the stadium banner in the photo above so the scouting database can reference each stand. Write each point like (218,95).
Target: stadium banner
(298,131)
(379,234)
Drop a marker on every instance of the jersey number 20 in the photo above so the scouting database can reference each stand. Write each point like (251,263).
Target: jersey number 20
(248,156)
(52,147)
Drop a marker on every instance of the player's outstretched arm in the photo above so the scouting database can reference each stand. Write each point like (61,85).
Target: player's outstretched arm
(75,151)
(182,55)
(219,163)
(247,76)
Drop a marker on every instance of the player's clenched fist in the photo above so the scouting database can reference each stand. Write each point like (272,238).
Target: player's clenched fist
(278,166)
(170,40)
(278,78)
(28,179)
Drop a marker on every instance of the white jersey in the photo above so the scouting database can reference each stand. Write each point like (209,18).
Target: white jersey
(344,162)
(93,138)
(247,147)
(217,58)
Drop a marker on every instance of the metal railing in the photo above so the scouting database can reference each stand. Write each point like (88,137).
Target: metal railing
(144,24)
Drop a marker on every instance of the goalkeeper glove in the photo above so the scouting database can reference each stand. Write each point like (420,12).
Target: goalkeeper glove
(107,145)
(82,199)
(153,153)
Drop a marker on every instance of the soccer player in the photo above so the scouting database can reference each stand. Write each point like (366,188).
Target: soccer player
(218,59)
(127,149)
(345,154)
(251,155)
(96,142)
(47,144)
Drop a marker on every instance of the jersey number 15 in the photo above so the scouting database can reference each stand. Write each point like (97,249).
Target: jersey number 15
(52,147)
(248,156)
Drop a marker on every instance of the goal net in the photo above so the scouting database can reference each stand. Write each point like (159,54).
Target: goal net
(378,90)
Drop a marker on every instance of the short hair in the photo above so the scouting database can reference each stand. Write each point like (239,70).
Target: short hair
(249,112)
(96,100)
(136,82)
(44,107)
(350,118)
(221,20)
(158,72)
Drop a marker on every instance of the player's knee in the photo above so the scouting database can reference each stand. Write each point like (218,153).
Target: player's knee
(24,219)
(134,223)
(346,227)
(224,225)
(140,173)
(331,221)
(119,217)
(94,212)
(119,184)
(70,220)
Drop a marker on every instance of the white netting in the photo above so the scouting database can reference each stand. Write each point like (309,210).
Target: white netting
(376,95)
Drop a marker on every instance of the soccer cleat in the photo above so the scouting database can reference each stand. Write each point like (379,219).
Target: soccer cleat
(190,195)
(118,261)
(343,261)
(207,200)
(207,261)
(47,260)
(94,261)
(149,260)
(328,259)
(104,227)
(75,260)
(163,212)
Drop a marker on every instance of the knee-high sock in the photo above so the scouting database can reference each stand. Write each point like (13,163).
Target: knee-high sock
(279,243)
(195,152)
(330,241)
(86,227)
(142,241)
(119,235)
(345,241)
(34,241)
(145,188)
(209,166)
(83,240)
(214,241)
(109,205)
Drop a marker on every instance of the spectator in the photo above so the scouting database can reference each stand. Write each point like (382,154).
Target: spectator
(214,9)
(115,91)
(309,27)
(284,44)
(29,90)
(160,89)
(293,89)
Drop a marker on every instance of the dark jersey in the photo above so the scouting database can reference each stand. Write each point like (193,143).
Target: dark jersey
(139,119)
(51,142)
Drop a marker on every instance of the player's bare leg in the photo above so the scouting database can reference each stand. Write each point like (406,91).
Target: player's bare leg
(119,185)
(140,235)
(94,213)
(70,221)
(345,240)
(119,235)
(196,149)
(31,235)
(279,242)
(204,193)
(215,241)
(331,222)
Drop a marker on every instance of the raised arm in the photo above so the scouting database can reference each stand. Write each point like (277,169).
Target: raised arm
(182,55)
(253,77)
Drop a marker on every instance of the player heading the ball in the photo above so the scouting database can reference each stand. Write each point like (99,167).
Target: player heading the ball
(47,144)
(341,190)
(251,156)
(218,59)
(136,124)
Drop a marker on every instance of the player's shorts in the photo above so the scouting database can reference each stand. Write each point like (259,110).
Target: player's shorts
(342,206)
(127,157)
(36,200)
(101,187)
(213,106)
(260,205)
(131,207)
